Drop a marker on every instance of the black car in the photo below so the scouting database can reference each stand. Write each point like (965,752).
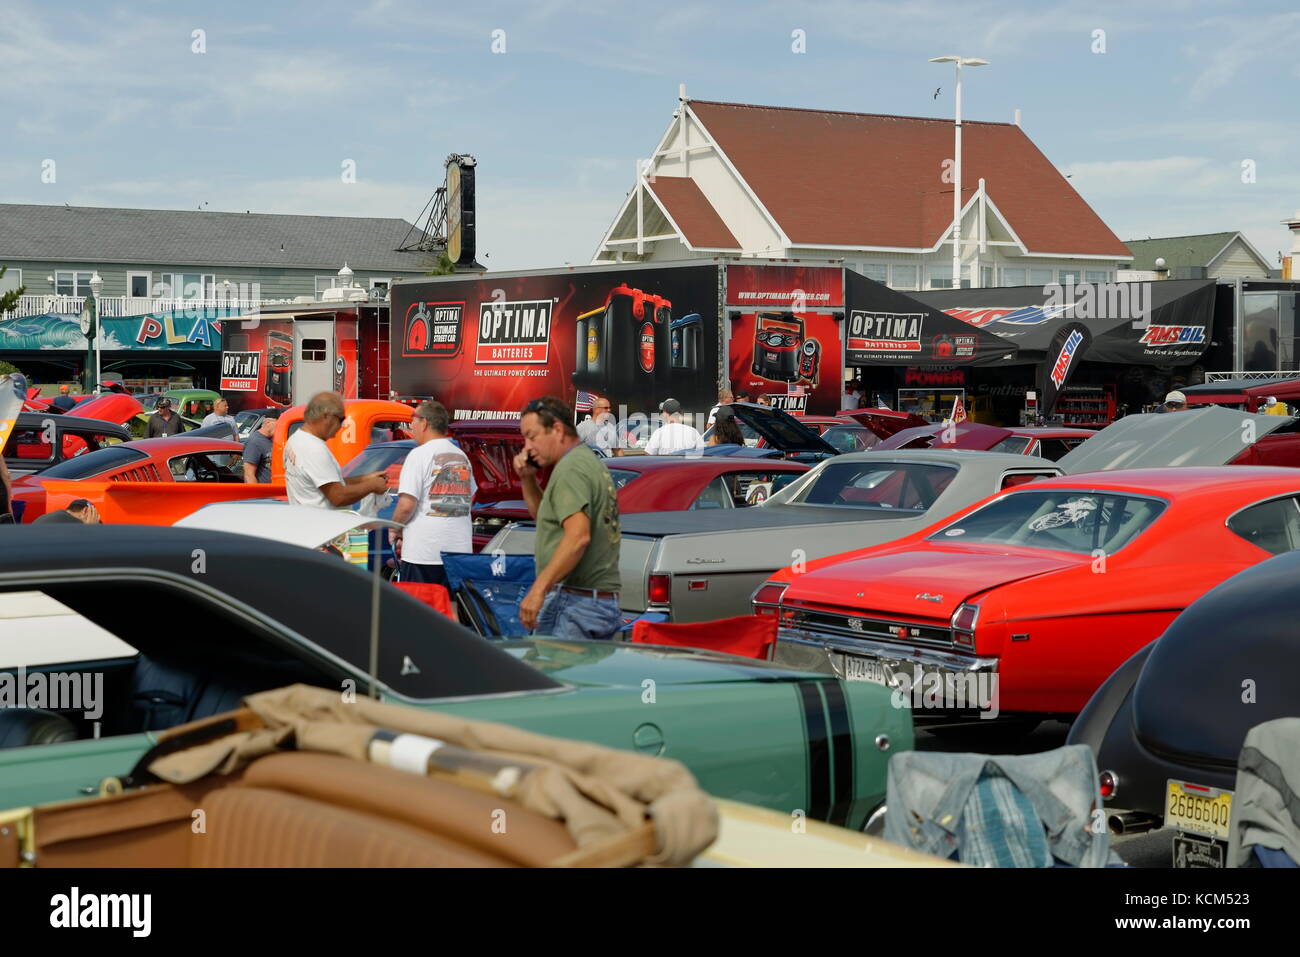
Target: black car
(1167,727)
(41,439)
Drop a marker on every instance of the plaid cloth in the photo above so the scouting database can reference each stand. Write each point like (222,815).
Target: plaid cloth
(1000,828)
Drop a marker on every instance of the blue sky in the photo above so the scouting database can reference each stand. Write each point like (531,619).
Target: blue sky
(1153,131)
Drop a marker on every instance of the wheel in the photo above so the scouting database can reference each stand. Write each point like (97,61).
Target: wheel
(987,736)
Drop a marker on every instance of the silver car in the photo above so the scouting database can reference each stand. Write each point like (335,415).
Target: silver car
(702,565)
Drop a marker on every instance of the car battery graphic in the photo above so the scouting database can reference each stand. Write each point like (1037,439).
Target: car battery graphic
(622,347)
(810,361)
(778,341)
(685,342)
(279,366)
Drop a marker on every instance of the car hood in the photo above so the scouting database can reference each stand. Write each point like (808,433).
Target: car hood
(967,435)
(112,407)
(301,525)
(491,448)
(620,665)
(1201,436)
(895,581)
(885,422)
(779,429)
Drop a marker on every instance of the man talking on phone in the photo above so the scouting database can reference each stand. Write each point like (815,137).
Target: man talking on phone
(575,594)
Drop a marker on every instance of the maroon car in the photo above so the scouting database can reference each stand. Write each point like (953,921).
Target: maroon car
(1045,442)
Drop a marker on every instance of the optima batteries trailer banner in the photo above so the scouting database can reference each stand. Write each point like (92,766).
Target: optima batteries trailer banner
(486,346)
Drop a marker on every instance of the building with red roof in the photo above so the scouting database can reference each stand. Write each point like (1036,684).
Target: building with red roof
(873,190)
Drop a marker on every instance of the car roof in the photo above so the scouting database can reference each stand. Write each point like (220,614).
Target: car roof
(1252,481)
(1046,432)
(171,444)
(257,576)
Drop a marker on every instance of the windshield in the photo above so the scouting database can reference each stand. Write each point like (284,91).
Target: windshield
(93,463)
(1064,520)
(849,438)
(901,486)
(379,459)
(1012,445)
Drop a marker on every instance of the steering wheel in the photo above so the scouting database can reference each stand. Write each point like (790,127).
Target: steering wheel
(206,473)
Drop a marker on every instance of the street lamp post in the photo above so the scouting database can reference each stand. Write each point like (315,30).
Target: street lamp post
(90,329)
(956,189)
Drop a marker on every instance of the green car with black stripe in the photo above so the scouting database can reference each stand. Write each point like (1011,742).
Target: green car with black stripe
(194,620)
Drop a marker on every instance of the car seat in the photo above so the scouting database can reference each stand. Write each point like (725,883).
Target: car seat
(24,727)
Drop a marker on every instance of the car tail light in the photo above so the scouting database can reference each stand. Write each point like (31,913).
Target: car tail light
(1109,784)
(660,589)
(767,598)
(963,625)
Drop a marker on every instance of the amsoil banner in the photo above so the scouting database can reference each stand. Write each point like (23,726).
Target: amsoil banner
(884,327)
(1156,323)
(486,346)
(1063,357)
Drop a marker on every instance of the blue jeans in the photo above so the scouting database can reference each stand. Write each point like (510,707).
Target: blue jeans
(566,614)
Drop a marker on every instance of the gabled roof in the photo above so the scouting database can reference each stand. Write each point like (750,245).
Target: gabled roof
(92,234)
(694,216)
(858,179)
(1198,250)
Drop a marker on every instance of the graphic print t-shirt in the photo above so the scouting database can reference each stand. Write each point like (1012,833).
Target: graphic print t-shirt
(438,476)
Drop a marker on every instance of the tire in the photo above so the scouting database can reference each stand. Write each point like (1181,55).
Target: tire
(988,736)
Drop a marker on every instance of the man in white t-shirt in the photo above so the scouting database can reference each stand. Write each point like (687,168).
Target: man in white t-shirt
(725,397)
(675,437)
(311,473)
(434,495)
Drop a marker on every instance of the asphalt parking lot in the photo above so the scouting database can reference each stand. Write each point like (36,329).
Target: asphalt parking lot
(1152,849)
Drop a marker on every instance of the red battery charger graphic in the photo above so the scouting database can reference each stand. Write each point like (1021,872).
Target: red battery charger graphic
(279,366)
(778,340)
(622,346)
(810,361)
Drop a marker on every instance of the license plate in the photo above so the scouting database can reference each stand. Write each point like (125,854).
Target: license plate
(1192,850)
(1195,808)
(864,669)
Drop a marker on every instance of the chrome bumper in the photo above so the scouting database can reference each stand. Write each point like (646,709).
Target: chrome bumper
(825,654)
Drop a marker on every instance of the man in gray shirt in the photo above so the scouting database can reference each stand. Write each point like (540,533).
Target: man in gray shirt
(257,451)
(221,413)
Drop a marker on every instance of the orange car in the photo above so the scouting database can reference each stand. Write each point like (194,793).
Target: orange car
(368,421)
(163,503)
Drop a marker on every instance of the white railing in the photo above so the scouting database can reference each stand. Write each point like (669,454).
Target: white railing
(1273,374)
(116,306)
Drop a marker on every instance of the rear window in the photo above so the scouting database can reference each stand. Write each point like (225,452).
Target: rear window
(387,459)
(1062,520)
(1273,526)
(890,485)
(93,463)
(848,438)
(622,476)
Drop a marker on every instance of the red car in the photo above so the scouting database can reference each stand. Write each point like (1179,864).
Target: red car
(1041,591)
(173,459)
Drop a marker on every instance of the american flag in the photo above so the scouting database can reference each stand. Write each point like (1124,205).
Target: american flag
(584,402)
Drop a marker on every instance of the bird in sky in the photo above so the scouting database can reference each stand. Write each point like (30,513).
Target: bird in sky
(936,92)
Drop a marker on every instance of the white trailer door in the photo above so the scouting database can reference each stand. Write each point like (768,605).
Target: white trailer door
(313,363)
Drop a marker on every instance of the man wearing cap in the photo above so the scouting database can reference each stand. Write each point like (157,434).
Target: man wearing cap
(674,437)
(1175,402)
(1274,407)
(63,401)
(164,421)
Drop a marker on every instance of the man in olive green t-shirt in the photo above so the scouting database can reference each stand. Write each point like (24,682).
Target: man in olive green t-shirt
(576,591)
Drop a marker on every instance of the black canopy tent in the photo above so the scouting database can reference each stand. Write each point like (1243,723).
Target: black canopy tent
(1053,327)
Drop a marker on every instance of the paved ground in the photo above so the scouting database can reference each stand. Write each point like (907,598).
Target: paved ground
(1152,849)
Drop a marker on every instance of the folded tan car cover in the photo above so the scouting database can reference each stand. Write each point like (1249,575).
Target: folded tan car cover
(599,793)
